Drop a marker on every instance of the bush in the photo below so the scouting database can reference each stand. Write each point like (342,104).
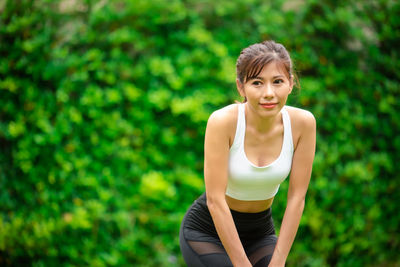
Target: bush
(103,110)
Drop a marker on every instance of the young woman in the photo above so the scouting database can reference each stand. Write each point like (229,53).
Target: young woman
(250,149)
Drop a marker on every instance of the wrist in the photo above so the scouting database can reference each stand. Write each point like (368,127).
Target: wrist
(276,263)
(277,260)
(242,262)
(245,264)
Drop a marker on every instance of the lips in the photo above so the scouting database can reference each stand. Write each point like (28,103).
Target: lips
(268,105)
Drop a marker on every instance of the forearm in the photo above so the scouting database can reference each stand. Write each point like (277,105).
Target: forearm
(228,234)
(290,224)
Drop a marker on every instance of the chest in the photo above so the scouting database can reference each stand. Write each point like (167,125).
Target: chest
(263,149)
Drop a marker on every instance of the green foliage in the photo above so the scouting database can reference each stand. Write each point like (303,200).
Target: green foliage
(103,109)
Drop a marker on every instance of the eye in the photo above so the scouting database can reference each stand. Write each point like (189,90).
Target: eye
(278,81)
(256,83)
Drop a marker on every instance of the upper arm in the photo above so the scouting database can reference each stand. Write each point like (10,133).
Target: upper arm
(303,156)
(216,155)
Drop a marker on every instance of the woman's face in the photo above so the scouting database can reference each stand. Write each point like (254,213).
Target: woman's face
(267,93)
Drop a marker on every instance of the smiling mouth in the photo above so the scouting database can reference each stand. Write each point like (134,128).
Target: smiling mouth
(269,105)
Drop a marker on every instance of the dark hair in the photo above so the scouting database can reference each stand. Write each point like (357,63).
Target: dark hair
(252,60)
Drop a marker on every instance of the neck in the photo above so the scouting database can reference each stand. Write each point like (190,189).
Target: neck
(261,124)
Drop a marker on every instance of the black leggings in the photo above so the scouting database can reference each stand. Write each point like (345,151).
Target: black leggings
(201,246)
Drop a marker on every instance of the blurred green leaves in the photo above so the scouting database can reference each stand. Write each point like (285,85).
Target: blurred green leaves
(103,107)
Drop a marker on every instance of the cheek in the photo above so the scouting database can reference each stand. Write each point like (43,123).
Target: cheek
(256,93)
(284,93)
(250,91)
(285,89)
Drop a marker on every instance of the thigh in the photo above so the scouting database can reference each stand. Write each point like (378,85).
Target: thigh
(202,253)
(199,241)
(260,251)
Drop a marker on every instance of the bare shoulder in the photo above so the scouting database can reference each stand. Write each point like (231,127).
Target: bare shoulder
(300,117)
(224,115)
(303,123)
(223,121)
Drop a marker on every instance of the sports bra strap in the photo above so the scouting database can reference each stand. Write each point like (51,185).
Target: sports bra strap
(240,127)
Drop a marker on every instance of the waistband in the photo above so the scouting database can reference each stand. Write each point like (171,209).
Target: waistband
(249,225)
(202,200)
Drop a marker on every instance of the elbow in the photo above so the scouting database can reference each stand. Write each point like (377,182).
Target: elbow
(215,203)
(298,202)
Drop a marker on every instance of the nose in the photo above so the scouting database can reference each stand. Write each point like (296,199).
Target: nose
(268,91)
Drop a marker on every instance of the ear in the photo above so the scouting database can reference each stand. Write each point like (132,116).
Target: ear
(291,83)
(240,88)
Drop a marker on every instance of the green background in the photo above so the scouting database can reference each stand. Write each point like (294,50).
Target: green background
(103,107)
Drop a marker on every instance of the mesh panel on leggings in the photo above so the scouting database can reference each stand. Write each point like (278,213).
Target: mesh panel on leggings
(211,254)
(262,256)
(203,248)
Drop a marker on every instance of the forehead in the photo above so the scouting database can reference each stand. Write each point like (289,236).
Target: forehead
(274,68)
(267,71)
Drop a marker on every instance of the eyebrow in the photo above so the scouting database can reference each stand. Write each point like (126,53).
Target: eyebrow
(262,79)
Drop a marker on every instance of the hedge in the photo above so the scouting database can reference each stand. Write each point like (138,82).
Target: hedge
(103,109)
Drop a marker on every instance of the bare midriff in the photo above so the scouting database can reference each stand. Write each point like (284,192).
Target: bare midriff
(249,206)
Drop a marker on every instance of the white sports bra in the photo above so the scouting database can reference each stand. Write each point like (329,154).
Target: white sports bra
(247,181)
